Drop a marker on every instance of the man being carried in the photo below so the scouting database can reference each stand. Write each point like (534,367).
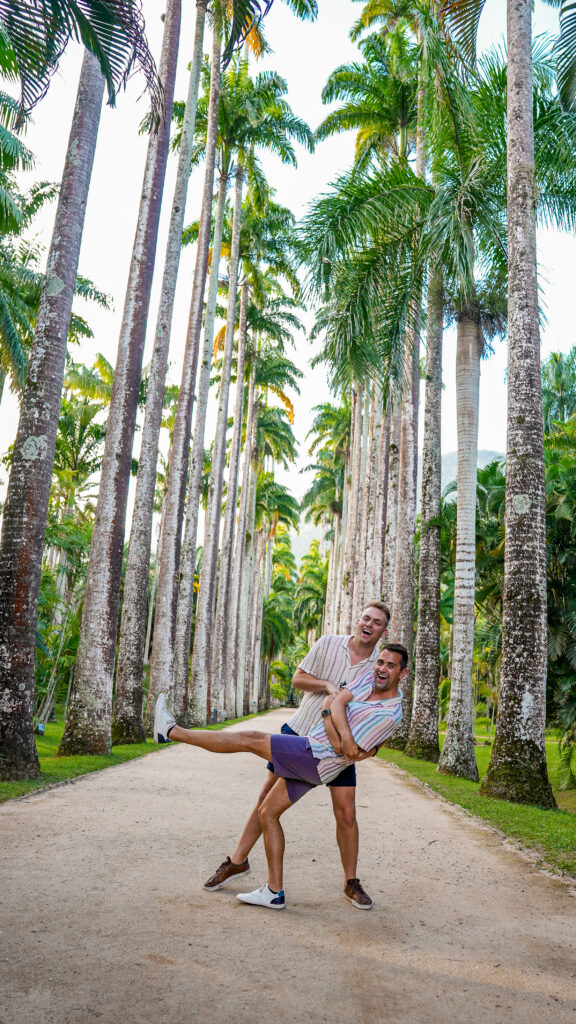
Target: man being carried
(332,663)
(352,728)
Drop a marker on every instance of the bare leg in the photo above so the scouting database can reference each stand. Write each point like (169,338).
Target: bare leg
(271,810)
(252,829)
(344,807)
(224,742)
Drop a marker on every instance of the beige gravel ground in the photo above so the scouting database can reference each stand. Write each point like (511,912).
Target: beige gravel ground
(103,916)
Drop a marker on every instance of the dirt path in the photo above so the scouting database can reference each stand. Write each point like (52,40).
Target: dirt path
(103,916)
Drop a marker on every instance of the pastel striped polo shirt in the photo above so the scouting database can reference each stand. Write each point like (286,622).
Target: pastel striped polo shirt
(371,723)
(328,658)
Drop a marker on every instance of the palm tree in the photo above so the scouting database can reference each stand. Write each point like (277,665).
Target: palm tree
(558,388)
(97,648)
(517,768)
(274,505)
(272,125)
(161,663)
(34,38)
(423,736)
(25,511)
(379,97)
(127,711)
(310,594)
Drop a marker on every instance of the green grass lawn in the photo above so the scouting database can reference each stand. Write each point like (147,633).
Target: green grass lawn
(551,833)
(58,769)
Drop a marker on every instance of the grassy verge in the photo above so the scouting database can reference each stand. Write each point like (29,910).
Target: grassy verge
(59,769)
(551,833)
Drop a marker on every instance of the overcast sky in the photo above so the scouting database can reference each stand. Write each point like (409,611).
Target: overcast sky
(304,54)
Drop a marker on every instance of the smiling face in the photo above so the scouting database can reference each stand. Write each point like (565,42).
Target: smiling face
(388,672)
(370,627)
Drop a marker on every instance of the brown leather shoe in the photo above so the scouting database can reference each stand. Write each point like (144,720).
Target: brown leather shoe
(354,892)
(225,872)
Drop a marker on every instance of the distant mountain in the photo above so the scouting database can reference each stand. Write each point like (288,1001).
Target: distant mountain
(450,465)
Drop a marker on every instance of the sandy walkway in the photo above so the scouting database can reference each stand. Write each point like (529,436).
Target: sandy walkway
(103,916)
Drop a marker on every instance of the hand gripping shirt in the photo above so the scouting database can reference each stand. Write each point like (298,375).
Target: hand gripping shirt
(371,722)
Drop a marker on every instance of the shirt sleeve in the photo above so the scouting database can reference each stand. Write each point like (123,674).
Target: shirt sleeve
(363,686)
(312,662)
(371,730)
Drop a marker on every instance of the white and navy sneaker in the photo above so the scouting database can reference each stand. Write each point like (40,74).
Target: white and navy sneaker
(163,720)
(264,897)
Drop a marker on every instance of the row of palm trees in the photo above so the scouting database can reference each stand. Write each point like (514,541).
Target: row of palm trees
(436,220)
(227,139)
(439,234)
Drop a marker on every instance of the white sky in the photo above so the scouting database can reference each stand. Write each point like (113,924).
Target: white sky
(304,54)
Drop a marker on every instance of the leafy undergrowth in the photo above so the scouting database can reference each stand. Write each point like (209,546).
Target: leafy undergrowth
(551,833)
(59,769)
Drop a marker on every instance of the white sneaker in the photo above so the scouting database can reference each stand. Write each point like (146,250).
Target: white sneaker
(163,720)
(264,897)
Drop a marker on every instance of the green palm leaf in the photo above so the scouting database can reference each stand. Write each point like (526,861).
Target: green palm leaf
(35,35)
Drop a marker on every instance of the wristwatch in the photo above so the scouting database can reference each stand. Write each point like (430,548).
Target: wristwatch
(326,712)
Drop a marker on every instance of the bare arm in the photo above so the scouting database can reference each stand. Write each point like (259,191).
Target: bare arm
(331,730)
(340,721)
(312,684)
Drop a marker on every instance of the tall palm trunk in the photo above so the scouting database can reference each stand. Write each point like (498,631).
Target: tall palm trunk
(402,622)
(363,507)
(89,715)
(255,622)
(353,507)
(202,651)
(26,508)
(127,725)
(328,616)
(188,557)
(517,768)
(338,581)
(376,569)
(391,528)
(401,628)
(233,700)
(458,756)
(222,617)
(243,681)
(162,660)
(369,543)
(423,736)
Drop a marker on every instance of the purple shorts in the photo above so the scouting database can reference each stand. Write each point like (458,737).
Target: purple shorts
(294,761)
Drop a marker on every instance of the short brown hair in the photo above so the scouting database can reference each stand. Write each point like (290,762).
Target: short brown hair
(397,649)
(380,606)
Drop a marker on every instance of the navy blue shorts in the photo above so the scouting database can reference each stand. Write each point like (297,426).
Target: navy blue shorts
(347,777)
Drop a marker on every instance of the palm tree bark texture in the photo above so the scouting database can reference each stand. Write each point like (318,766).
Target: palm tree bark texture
(517,768)
(88,725)
(458,757)
(26,508)
(202,650)
(423,735)
(222,617)
(185,604)
(127,725)
(401,629)
(162,660)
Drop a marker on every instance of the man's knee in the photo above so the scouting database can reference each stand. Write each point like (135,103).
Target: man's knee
(266,814)
(344,805)
(266,789)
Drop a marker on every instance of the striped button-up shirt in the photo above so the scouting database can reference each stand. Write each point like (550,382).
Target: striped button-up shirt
(371,722)
(329,658)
